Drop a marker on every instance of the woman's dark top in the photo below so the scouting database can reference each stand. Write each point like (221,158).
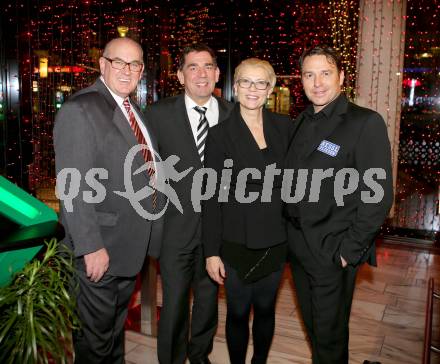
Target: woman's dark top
(250,237)
(254,264)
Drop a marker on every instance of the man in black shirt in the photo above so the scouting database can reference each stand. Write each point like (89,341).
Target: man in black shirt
(332,229)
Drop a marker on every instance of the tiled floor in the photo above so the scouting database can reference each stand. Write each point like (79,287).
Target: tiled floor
(387,321)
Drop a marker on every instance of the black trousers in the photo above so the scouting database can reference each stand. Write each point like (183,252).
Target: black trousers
(181,270)
(102,308)
(240,298)
(325,294)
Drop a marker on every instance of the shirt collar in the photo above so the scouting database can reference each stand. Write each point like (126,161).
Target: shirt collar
(119,100)
(190,103)
(327,111)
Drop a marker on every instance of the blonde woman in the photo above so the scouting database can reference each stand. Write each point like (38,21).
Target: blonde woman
(244,238)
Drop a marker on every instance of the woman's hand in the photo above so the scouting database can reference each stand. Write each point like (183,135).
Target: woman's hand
(216,269)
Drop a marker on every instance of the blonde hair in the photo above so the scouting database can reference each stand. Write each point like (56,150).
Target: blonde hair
(256,62)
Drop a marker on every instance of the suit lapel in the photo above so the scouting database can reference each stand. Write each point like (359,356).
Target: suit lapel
(272,134)
(102,89)
(223,109)
(324,130)
(298,122)
(244,141)
(184,131)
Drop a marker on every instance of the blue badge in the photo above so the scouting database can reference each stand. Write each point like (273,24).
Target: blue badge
(329,148)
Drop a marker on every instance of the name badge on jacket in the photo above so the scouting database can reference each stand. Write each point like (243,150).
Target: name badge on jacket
(329,148)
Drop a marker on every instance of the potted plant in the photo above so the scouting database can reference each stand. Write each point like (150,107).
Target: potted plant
(37,310)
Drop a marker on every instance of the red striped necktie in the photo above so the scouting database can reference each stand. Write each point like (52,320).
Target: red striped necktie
(146,152)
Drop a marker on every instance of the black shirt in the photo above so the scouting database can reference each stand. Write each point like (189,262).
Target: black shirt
(311,122)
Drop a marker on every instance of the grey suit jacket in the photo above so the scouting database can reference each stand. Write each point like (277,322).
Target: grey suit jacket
(171,125)
(92,132)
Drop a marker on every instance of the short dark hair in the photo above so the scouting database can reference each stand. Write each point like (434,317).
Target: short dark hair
(196,47)
(331,55)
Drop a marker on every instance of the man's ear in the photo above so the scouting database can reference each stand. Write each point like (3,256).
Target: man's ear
(217,74)
(180,77)
(102,64)
(141,72)
(341,78)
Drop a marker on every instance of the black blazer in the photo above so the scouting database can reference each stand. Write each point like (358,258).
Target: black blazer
(330,230)
(172,128)
(256,224)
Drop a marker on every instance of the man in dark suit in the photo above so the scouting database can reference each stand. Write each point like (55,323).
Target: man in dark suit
(181,124)
(94,129)
(330,238)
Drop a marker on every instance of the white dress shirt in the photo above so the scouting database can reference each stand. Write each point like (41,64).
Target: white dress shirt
(194,116)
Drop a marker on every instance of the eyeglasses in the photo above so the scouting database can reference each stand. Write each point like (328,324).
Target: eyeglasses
(259,85)
(120,65)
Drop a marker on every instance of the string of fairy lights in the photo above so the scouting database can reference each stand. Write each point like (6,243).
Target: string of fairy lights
(344,30)
(70,36)
(59,46)
(417,190)
(279,32)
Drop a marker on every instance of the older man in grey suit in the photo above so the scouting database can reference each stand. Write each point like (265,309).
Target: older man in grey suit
(96,128)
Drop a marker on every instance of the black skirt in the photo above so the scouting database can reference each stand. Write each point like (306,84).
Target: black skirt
(253,264)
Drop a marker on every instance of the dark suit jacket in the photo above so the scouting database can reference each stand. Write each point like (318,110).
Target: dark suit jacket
(330,230)
(256,224)
(92,132)
(171,125)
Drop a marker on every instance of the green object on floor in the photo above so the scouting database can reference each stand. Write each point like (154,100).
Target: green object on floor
(29,221)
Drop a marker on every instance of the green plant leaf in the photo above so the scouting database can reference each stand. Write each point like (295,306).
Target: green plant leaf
(38,310)
(6,326)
